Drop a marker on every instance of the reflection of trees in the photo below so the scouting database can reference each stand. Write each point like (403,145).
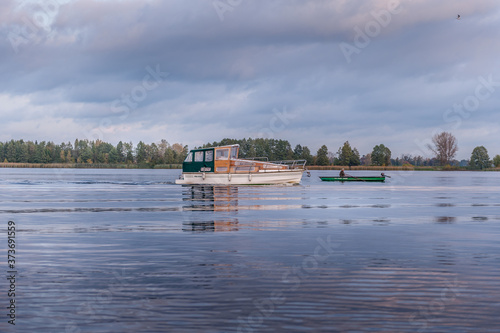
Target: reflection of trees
(446,219)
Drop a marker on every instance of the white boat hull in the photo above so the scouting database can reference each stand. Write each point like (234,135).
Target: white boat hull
(257,178)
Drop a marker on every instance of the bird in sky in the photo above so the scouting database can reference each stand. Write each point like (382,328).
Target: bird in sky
(458,17)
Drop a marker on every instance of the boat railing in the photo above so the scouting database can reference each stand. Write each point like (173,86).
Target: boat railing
(243,165)
(292,164)
(263,158)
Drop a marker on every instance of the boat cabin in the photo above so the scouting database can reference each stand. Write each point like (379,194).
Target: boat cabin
(225,159)
(214,159)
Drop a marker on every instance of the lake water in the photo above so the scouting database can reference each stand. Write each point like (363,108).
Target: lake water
(129,251)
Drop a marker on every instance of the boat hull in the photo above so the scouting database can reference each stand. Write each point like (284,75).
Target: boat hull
(353,179)
(259,178)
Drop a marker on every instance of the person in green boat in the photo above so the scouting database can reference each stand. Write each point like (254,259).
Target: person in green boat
(342,173)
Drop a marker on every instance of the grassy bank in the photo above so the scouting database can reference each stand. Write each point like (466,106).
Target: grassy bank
(90,166)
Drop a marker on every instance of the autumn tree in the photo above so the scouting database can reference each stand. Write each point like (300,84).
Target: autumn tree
(366,159)
(444,147)
(180,152)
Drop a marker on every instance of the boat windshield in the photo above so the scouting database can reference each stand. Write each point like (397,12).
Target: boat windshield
(222,154)
(198,156)
(234,152)
(209,156)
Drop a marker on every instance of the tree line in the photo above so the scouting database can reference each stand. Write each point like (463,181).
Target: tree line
(444,147)
(91,152)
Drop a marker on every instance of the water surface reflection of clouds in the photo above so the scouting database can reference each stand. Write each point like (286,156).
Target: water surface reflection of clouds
(106,249)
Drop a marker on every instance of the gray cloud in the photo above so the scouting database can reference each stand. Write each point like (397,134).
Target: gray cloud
(67,70)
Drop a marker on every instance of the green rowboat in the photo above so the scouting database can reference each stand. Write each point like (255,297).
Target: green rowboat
(353,179)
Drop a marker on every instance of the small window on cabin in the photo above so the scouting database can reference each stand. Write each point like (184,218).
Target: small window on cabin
(222,154)
(234,152)
(198,156)
(209,156)
(189,158)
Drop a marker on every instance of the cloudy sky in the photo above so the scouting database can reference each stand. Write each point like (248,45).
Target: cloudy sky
(312,72)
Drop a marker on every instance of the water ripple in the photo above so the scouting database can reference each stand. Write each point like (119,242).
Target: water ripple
(128,252)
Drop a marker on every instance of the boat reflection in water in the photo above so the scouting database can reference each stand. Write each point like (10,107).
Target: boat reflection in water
(211,226)
(211,198)
(226,202)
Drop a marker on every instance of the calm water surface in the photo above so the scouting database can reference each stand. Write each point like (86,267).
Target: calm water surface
(129,251)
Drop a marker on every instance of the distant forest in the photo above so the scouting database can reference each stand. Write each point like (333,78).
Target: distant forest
(87,152)
(92,152)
